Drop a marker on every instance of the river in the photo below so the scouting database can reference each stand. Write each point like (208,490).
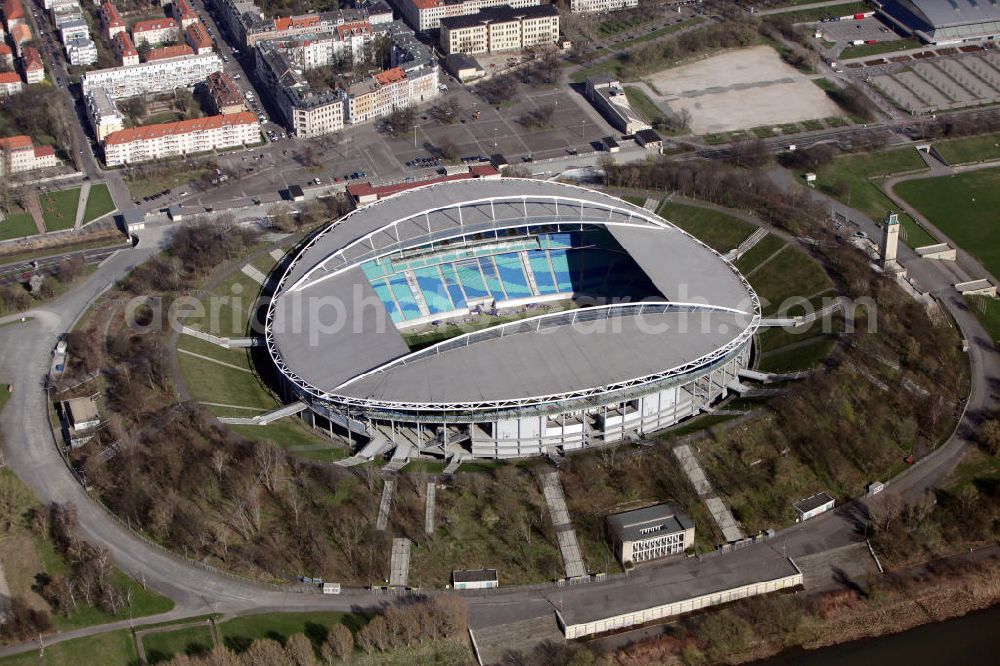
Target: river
(970,640)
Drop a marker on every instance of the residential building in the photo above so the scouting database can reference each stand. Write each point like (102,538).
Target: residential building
(426,15)
(475,579)
(20,34)
(650,533)
(812,506)
(74,28)
(10,83)
(55,4)
(305,111)
(81,51)
(18,154)
(588,6)
(183,13)
(164,52)
(154,32)
(198,39)
(186,137)
(607,94)
(150,78)
(64,14)
(104,116)
(500,29)
(127,54)
(111,21)
(224,94)
(6,57)
(13,14)
(34,69)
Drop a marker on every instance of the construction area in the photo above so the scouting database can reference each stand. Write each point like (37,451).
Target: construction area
(740,89)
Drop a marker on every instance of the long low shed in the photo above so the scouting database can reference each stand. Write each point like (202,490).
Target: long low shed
(674,589)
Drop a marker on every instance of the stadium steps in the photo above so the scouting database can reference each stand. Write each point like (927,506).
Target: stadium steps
(400,457)
(227,343)
(456,460)
(529,275)
(388,489)
(746,245)
(768,377)
(739,387)
(418,294)
(266,417)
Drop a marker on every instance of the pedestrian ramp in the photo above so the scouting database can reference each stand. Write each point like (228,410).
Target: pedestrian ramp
(399,563)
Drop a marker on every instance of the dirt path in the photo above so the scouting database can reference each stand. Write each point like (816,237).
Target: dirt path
(35,208)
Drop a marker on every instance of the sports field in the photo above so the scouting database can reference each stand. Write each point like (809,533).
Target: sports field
(964,207)
(970,149)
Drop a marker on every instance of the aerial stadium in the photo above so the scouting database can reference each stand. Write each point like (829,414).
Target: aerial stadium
(941,22)
(504,319)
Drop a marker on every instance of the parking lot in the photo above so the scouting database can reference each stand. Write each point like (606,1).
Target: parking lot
(848,31)
(939,83)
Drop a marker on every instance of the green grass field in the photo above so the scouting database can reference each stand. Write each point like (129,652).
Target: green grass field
(59,208)
(99,202)
(847,179)
(719,231)
(17,225)
(238,633)
(227,306)
(211,382)
(879,48)
(161,647)
(964,207)
(791,274)
(115,648)
(289,431)
(970,149)
(811,352)
(988,312)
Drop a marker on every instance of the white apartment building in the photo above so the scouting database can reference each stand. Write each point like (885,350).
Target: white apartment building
(650,533)
(18,154)
(72,29)
(104,116)
(150,78)
(53,4)
(587,6)
(186,137)
(81,51)
(154,32)
(426,15)
(500,29)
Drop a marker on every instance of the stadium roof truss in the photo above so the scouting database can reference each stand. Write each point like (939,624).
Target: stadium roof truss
(444,223)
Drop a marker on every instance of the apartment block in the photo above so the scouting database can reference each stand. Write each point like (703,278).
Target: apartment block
(154,32)
(18,154)
(13,14)
(186,137)
(31,63)
(426,15)
(165,52)
(81,51)
(150,78)
(198,39)
(588,6)
(10,83)
(224,94)
(111,21)
(183,13)
(104,116)
(127,54)
(73,29)
(500,29)
(6,55)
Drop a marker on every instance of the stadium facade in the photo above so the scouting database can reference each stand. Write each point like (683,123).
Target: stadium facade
(943,22)
(567,318)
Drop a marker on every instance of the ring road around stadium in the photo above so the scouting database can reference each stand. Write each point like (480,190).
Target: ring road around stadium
(567,318)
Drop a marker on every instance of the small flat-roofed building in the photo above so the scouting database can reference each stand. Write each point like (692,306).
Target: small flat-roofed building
(814,505)
(610,144)
(607,94)
(650,533)
(295,193)
(463,67)
(81,413)
(649,139)
(475,579)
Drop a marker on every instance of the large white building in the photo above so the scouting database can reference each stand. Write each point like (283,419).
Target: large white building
(18,154)
(186,137)
(104,116)
(500,29)
(426,15)
(150,78)
(587,6)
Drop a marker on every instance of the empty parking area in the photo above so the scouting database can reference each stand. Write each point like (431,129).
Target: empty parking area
(935,84)
(869,29)
(739,90)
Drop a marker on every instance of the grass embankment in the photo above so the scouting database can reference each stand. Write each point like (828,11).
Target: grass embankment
(879,48)
(613,66)
(987,310)
(59,208)
(719,231)
(161,647)
(643,105)
(964,207)
(852,179)
(970,149)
